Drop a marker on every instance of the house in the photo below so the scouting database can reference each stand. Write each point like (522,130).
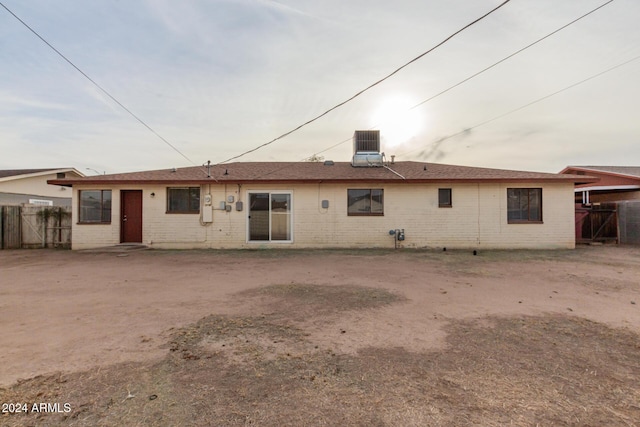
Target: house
(29,186)
(608,210)
(367,202)
(616,183)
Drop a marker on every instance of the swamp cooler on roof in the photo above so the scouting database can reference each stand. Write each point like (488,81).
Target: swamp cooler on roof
(366,149)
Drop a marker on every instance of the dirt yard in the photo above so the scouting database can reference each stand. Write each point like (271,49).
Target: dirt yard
(271,338)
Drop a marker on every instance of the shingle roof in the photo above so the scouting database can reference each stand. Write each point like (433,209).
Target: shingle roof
(274,172)
(16,172)
(630,171)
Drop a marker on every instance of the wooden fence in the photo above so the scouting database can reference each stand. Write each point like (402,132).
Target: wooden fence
(617,222)
(24,227)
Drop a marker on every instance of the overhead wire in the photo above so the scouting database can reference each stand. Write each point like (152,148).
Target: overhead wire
(358,93)
(466,130)
(397,70)
(484,69)
(512,55)
(471,77)
(103,90)
(493,119)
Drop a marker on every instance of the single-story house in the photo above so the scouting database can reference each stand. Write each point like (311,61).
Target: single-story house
(368,202)
(29,186)
(616,183)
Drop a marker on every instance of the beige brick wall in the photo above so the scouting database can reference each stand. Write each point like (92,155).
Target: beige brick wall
(477,219)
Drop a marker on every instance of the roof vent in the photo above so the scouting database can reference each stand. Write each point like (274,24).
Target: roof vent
(328,163)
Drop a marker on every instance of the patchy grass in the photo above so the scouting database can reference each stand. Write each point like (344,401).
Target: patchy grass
(301,301)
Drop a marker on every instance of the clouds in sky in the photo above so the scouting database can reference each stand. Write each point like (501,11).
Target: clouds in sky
(217,78)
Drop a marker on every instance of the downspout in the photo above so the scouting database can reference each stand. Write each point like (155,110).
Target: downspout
(478,238)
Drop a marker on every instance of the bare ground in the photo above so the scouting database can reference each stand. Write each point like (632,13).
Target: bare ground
(321,337)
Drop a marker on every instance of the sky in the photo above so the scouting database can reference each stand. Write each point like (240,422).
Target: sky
(217,78)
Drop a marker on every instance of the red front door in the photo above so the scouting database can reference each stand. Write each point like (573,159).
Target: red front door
(131,216)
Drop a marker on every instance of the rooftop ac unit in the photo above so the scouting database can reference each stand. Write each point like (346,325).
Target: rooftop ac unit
(366,140)
(366,149)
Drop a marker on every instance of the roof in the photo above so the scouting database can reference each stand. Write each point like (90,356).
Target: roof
(612,179)
(9,174)
(627,171)
(313,172)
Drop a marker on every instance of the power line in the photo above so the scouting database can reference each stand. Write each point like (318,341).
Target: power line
(439,141)
(512,55)
(488,68)
(368,87)
(97,85)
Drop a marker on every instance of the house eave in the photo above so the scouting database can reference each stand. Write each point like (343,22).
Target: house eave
(608,188)
(398,180)
(598,171)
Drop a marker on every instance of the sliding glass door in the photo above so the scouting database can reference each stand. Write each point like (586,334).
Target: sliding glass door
(270,217)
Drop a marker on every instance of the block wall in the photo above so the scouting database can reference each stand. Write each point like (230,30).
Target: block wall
(477,218)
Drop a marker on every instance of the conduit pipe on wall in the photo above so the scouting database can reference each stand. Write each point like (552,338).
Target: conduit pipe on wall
(398,236)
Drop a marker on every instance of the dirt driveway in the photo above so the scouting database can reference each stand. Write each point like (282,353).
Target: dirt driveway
(321,337)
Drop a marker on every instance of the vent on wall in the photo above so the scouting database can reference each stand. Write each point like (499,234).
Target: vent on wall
(39,202)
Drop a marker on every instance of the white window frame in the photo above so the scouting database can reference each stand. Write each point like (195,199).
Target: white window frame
(291,221)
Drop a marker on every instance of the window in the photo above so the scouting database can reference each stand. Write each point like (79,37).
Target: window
(365,202)
(95,206)
(524,205)
(444,198)
(183,200)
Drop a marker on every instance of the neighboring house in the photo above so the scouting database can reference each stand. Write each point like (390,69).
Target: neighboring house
(325,205)
(608,210)
(616,183)
(29,186)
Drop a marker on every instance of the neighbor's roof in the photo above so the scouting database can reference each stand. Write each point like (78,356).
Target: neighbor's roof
(311,172)
(8,174)
(626,171)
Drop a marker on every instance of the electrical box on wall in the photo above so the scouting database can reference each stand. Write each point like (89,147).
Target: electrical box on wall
(207,199)
(230,199)
(207,214)
(239,206)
